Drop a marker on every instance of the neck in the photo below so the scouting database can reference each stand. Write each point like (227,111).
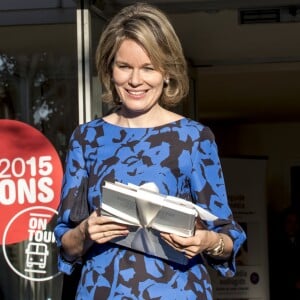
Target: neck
(132,119)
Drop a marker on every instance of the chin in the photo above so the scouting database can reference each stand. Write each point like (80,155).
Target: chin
(134,107)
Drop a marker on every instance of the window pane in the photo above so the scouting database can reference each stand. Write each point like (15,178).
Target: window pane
(38,86)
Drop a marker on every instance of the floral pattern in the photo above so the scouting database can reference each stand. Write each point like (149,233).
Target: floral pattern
(181,158)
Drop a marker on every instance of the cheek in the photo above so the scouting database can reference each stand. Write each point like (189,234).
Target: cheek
(158,83)
(155,81)
(120,77)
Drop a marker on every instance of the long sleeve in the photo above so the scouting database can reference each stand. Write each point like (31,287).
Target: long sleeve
(209,191)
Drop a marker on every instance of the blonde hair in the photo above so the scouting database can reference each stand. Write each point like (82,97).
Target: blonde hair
(150,28)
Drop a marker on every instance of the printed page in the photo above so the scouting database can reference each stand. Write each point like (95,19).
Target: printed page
(148,213)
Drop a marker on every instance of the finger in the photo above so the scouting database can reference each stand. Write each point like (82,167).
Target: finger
(190,250)
(177,247)
(102,237)
(103,220)
(94,214)
(188,255)
(105,236)
(183,241)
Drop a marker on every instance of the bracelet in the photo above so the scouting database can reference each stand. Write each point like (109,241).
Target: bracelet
(218,250)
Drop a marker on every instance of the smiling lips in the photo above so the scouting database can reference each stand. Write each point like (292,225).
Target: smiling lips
(136,94)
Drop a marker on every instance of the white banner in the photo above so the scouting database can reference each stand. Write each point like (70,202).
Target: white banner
(245,180)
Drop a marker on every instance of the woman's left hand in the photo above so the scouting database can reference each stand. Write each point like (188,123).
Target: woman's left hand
(191,246)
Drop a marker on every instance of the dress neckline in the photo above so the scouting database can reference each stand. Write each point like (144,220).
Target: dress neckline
(178,121)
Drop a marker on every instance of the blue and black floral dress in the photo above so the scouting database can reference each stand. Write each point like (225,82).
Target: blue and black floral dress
(181,158)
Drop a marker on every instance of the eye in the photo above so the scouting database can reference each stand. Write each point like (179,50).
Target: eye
(123,66)
(149,68)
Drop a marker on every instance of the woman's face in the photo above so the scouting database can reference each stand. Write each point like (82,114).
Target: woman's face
(138,84)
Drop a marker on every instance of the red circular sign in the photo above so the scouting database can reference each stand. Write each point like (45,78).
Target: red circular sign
(30,175)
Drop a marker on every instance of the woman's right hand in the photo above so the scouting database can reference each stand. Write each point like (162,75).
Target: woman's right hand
(101,229)
(94,229)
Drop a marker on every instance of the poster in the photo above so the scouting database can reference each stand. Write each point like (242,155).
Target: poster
(30,182)
(245,180)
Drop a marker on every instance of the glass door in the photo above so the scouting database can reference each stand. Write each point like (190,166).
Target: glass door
(90,23)
(38,111)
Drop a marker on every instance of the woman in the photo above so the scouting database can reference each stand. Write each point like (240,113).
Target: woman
(142,67)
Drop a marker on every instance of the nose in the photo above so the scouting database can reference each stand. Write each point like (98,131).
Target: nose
(135,78)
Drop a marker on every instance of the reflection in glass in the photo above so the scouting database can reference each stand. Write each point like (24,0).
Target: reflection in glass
(39,89)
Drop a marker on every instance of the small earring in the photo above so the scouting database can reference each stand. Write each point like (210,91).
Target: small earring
(166,81)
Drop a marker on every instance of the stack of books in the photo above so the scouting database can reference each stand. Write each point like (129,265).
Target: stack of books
(147,213)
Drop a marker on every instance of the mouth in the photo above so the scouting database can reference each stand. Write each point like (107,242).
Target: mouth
(136,94)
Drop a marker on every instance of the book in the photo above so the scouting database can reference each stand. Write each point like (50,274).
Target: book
(147,212)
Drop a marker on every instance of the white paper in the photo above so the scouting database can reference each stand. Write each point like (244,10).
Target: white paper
(147,212)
